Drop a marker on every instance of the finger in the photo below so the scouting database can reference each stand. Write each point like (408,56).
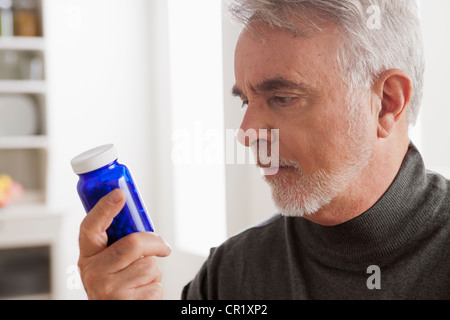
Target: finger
(130,248)
(93,238)
(140,273)
(152,291)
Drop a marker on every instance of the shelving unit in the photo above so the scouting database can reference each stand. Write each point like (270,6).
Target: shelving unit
(22,86)
(20,142)
(23,157)
(22,43)
(29,230)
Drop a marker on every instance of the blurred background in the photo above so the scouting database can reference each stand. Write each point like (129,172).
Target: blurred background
(154,78)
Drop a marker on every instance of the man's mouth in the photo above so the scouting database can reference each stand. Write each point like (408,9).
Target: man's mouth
(271,170)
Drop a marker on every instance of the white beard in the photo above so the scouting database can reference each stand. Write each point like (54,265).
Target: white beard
(297,194)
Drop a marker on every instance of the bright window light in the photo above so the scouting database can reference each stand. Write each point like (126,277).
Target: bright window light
(195,31)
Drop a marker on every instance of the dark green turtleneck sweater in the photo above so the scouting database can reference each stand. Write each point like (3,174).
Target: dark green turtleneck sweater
(405,235)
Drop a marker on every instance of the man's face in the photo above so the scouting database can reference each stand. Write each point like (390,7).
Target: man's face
(293,84)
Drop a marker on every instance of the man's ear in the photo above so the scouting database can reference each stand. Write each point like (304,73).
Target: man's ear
(394,87)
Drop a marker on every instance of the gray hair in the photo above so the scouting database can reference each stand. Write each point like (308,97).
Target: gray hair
(368,48)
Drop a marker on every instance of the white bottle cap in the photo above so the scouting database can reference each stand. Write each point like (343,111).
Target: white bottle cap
(94,159)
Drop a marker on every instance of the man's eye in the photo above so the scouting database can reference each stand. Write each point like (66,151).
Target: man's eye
(283,100)
(244,104)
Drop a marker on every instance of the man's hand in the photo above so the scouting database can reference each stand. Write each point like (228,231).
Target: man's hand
(125,270)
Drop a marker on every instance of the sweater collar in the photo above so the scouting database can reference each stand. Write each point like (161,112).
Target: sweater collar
(383,230)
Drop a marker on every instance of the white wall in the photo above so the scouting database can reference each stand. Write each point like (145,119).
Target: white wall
(436,106)
(99,70)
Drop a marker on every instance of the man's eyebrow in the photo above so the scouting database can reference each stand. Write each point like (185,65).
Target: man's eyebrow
(274,84)
(235,91)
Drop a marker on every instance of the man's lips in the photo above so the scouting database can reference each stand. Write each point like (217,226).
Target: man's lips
(271,171)
(272,168)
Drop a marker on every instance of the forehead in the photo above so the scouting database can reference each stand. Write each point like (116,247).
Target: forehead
(272,53)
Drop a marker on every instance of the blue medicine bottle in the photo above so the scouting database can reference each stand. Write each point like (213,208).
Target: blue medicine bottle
(100,173)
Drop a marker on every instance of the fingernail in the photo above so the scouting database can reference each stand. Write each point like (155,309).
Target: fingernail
(115,196)
(168,245)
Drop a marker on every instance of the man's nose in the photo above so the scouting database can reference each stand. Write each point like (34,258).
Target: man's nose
(253,127)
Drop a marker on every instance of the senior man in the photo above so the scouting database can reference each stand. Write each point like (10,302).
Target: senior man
(360,217)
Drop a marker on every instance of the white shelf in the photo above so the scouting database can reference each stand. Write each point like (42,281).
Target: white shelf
(23,142)
(23,86)
(30,205)
(26,211)
(22,43)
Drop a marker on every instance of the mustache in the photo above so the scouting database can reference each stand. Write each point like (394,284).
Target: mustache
(265,158)
(284,162)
